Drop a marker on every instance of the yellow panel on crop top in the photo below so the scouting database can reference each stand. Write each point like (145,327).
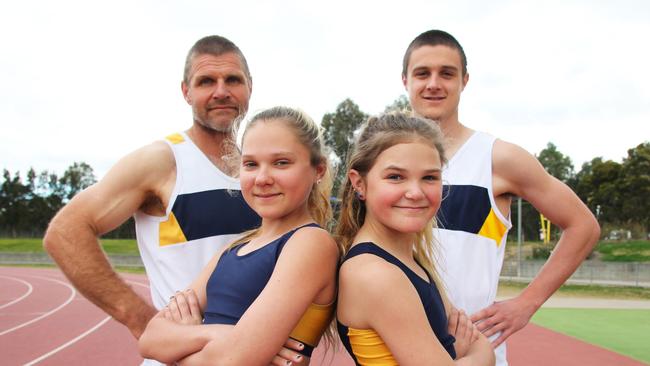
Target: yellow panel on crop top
(369,348)
(313,324)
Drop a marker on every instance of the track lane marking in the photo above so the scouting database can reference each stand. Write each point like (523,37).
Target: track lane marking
(79,337)
(137,283)
(69,343)
(29,291)
(72,295)
(72,341)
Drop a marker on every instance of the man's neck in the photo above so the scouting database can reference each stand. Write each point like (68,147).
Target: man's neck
(456,134)
(216,146)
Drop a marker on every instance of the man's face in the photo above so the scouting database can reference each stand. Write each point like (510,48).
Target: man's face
(218,90)
(434,81)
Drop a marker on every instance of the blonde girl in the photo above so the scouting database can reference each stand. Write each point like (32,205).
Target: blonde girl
(276,282)
(392,308)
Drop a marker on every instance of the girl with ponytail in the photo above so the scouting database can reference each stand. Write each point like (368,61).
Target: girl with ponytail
(276,282)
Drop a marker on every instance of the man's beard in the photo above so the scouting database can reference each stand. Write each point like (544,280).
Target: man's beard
(230,128)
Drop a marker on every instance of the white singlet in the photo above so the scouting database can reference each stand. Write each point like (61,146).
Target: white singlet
(205,212)
(473,231)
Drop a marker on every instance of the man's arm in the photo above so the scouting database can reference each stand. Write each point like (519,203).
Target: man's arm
(72,237)
(517,172)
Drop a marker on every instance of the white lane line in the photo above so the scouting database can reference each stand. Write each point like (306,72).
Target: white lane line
(137,283)
(72,295)
(69,343)
(29,291)
(75,340)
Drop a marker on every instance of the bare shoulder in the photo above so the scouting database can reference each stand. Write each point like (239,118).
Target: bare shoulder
(150,169)
(371,277)
(372,292)
(506,154)
(314,241)
(139,177)
(309,260)
(155,160)
(514,169)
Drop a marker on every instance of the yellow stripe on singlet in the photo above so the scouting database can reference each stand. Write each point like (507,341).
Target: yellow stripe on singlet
(313,323)
(170,232)
(175,138)
(493,228)
(369,349)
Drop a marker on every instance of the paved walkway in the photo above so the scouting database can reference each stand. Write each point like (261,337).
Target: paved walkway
(559,300)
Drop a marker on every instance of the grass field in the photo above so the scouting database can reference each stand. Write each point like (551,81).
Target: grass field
(35,245)
(608,251)
(624,331)
(632,251)
(510,289)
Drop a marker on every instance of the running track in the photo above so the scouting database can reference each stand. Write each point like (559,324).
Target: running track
(45,321)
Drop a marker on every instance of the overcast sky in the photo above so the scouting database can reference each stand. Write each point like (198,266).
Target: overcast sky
(91,81)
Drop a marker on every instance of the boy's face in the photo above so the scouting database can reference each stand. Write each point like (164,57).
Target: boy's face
(434,81)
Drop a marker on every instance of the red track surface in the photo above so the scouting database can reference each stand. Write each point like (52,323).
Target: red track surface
(44,321)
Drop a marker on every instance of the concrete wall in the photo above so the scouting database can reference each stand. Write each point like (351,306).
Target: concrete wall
(605,273)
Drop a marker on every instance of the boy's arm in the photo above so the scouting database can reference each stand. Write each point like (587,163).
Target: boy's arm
(517,172)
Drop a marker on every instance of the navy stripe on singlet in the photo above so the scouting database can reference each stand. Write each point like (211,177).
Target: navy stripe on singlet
(196,213)
(464,208)
(372,248)
(343,334)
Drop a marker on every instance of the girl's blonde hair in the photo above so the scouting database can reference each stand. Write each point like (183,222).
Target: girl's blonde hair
(310,135)
(378,134)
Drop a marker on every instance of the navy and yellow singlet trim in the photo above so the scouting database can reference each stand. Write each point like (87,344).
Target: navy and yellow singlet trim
(208,213)
(468,208)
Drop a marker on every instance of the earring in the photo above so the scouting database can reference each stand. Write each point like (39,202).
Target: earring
(359,195)
(318,181)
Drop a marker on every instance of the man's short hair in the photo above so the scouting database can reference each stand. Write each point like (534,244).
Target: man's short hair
(216,46)
(434,38)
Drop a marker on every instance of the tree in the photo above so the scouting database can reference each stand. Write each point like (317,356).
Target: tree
(597,185)
(13,203)
(339,132)
(635,186)
(45,201)
(75,179)
(556,163)
(401,104)
(26,208)
(530,223)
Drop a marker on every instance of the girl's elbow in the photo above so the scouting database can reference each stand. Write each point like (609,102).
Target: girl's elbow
(148,349)
(144,346)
